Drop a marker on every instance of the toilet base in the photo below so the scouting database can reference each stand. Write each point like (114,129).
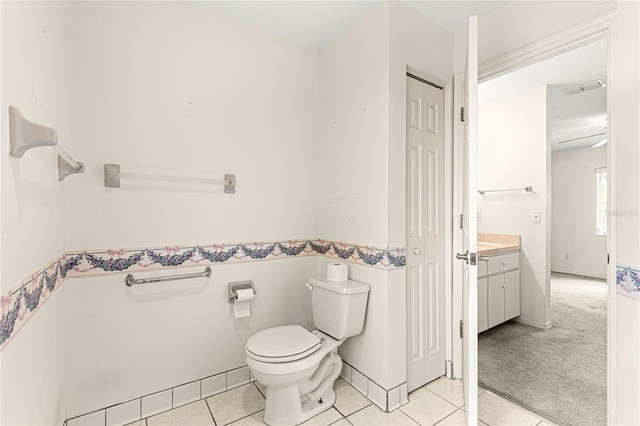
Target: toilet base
(309,408)
(313,408)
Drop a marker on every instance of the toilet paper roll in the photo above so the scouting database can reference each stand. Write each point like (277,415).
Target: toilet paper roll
(242,303)
(337,272)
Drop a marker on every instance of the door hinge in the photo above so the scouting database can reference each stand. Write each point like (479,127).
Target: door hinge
(461,221)
(461,329)
(607,258)
(461,113)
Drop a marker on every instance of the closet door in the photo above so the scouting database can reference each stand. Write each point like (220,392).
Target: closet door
(425,233)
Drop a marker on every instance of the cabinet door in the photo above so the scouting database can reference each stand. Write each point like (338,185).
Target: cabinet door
(483,320)
(512,295)
(483,267)
(495,300)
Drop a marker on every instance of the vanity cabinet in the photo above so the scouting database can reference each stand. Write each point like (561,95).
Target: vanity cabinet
(498,290)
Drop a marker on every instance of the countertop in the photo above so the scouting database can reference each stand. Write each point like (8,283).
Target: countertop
(489,244)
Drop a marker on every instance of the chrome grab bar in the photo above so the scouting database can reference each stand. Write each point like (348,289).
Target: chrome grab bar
(131,281)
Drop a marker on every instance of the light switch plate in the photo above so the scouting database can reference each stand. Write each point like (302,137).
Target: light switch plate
(535,216)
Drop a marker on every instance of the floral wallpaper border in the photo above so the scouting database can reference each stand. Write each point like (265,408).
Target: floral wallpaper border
(628,281)
(19,304)
(121,260)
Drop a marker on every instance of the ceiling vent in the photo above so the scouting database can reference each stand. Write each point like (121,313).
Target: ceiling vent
(584,87)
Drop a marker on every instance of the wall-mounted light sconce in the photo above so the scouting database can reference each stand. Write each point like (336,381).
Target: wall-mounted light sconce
(25,134)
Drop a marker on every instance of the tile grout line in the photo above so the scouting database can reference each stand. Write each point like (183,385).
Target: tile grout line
(447,416)
(441,397)
(414,420)
(343,418)
(210,412)
(263,395)
(358,410)
(248,415)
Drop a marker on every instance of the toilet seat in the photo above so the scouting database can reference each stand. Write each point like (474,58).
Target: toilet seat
(327,345)
(282,344)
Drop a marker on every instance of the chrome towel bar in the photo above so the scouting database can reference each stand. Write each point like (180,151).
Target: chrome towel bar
(113,175)
(131,281)
(526,189)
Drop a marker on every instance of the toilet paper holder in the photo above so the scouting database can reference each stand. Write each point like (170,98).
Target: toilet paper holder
(238,285)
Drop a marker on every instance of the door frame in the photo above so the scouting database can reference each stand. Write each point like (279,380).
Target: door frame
(561,42)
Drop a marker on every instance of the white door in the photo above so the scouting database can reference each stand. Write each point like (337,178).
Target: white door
(425,233)
(470,230)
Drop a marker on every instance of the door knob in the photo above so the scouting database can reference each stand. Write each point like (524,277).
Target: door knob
(463,256)
(416,251)
(470,258)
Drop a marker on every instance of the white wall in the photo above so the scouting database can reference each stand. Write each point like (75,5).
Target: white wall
(573,213)
(513,152)
(427,48)
(363,98)
(125,343)
(624,101)
(182,88)
(354,128)
(354,123)
(196,92)
(35,78)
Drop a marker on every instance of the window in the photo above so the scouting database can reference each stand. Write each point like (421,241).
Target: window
(601,201)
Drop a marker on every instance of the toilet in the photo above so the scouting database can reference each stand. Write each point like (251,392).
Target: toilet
(297,366)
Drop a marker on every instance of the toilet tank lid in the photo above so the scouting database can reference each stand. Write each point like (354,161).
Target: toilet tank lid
(342,287)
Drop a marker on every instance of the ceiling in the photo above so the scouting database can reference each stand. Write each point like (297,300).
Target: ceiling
(312,23)
(316,23)
(578,120)
(454,14)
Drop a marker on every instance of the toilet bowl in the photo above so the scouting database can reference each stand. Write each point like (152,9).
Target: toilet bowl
(300,379)
(297,366)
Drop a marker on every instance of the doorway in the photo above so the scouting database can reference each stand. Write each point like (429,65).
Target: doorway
(557,108)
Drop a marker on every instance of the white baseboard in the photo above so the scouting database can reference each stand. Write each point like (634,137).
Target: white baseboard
(545,325)
(579,274)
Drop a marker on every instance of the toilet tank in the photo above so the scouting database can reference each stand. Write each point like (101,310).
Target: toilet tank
(338,307)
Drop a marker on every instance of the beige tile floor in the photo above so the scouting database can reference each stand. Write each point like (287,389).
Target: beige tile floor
(438,403)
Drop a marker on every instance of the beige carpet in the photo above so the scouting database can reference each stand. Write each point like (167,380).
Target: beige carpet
(560,373)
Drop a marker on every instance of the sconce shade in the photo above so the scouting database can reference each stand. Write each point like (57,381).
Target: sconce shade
(25,134)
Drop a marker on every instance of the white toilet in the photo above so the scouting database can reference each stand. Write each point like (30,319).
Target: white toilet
(299,367)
